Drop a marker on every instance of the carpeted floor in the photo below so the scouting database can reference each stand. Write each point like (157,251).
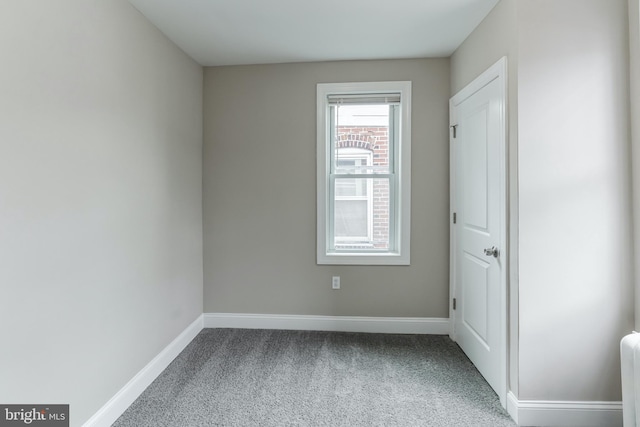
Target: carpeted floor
(240,377)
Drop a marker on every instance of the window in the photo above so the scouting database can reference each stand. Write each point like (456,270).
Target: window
(364,170)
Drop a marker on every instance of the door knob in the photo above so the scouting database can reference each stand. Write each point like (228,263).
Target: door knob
(492,251)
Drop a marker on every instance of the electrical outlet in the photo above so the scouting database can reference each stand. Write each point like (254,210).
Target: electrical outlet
(335,282)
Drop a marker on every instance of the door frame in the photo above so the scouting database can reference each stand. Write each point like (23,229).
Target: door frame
(497,71)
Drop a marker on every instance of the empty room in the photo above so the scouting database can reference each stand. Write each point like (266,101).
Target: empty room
(304,213)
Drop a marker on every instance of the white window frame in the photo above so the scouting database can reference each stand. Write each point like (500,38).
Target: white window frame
(400,224)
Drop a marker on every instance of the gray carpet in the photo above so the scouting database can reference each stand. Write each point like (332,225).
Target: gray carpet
(240,377)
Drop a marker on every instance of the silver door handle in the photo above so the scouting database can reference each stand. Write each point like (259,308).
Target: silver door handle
(492,251)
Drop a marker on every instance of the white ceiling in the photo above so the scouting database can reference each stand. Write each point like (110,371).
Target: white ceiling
(234,32)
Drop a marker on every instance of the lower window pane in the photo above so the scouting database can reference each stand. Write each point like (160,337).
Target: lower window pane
(361,219)
(351,221)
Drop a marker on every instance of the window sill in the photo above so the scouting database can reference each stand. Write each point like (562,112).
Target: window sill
(383,258)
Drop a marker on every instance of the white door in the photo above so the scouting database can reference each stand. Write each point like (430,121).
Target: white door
(479,235)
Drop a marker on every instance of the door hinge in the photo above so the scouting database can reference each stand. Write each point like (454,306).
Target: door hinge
(455,217)
(455,130)
(454,303)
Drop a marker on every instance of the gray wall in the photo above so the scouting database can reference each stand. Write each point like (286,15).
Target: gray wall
(576,292)
(259,194)
(495,37)
(571,301)
(634,47)
(100,206)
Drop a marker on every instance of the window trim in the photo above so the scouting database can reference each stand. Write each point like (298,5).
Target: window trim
(400,255)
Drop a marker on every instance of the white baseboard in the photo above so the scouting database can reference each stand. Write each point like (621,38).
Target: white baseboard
(564,413)
(389,325)
(119,403)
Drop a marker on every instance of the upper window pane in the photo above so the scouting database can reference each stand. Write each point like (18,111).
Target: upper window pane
(362,128)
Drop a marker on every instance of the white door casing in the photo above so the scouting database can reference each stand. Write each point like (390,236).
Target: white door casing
(479,236)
